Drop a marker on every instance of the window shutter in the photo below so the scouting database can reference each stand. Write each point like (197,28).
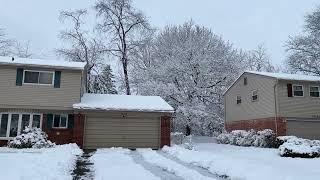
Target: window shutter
(289,88)
(49,121)
(57,79)
(70,121)
(19,76)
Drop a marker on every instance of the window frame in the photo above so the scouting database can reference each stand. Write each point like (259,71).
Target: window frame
(252,100)
(60,127)
(19,122)
(41,84)
(239,99)
(293,85)
(314,91)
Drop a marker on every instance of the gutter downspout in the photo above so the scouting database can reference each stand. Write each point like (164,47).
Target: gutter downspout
(275,106)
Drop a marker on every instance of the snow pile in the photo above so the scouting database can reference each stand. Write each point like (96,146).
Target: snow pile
(180,138)
(31,138)
(123,103)
(298,147)
(116,163)
(264,138)
(154,158)
(247,163)
(39,164)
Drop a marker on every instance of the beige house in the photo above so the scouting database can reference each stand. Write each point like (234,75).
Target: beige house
(287,103)
(52,95)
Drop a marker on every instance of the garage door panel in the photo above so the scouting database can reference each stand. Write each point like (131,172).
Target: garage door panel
(304,129)
(104,131)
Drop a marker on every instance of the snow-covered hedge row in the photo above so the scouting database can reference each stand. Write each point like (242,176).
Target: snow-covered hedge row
(31,138)
(265,138)
(298,147)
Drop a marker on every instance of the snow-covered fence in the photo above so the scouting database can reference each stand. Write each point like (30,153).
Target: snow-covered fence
(265,138)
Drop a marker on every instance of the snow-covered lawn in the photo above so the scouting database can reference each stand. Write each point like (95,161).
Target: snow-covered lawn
(116,163)
(38,164)
(247,163)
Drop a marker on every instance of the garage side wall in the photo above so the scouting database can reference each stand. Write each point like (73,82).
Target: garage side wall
(165,131)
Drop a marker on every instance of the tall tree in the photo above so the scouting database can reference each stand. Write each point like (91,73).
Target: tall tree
(190,67)
(259,60)
(84,45)
(123,26)
(304,50)
(5,44)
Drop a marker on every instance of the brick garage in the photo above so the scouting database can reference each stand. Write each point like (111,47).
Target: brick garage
(277,124)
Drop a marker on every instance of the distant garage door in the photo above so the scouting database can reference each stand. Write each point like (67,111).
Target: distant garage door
(309,129)
(122,130)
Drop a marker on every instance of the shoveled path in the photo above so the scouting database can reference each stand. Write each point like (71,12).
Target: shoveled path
(84,168)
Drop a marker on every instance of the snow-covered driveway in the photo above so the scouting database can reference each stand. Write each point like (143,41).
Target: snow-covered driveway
(38,164)
(247,163)
(143,164)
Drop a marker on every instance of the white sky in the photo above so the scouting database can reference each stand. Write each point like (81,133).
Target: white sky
(244,23)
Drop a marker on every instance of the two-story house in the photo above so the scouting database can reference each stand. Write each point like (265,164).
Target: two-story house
(51,95)
(289,104)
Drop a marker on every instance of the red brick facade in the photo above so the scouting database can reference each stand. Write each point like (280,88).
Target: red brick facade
(64,136)
(165,131)
(278,125)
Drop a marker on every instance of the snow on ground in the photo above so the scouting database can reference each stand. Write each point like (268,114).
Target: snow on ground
(247,163)
(38,164)
(116,163)
(154,158)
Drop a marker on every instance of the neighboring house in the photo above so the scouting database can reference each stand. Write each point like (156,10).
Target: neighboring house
(51,95)
(289,104)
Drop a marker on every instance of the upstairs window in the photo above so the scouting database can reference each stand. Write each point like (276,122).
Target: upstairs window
(38,77)
(314,91)
(254,95)
(297,90)
(238,99)
(245,80)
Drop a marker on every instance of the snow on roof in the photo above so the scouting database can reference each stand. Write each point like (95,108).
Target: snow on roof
(4,60)
(112,102)
(285,76)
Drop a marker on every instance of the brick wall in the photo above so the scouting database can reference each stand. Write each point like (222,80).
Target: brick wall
(259,124)
(165,131)
(69,135)
(3,143)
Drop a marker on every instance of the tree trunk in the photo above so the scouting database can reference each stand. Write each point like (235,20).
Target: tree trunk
(126,78)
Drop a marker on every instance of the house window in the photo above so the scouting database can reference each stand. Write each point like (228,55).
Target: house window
(38,77)
(12,124)
(245,80)
(297,90)
(254,95)
(314,91)
(60,121)
(238,99)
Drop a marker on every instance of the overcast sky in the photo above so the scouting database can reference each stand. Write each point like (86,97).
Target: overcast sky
(244,23)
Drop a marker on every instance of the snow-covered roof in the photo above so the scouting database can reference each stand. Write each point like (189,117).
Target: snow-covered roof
(110,102)
(16,61)
(285,76)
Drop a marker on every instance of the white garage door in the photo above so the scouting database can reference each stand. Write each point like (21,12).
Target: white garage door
(103,131)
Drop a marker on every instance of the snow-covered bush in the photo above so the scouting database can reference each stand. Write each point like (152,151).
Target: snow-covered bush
(31,138)
(264,138)
(298,147)
(180,139)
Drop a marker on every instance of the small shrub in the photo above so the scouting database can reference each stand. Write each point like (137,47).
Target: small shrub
(298,147)
(31,138)
(265,138)
(180,138)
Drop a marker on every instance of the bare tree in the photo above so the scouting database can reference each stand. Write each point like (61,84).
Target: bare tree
(84,47)
(304,50)
(259,60)
(123,25)
(5,44)
(22,50)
